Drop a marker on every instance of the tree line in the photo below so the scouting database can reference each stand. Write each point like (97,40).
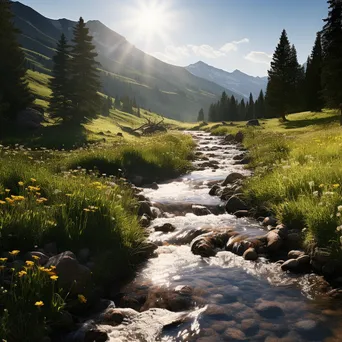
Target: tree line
(292,87)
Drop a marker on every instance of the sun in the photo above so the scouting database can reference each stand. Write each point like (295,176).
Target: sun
(151,20)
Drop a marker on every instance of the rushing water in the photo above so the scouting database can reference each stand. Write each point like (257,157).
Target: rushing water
(232,299)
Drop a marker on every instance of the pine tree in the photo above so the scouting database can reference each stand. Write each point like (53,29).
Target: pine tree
(14,91)
(260,106)
(60,102)
(200,115)
(279,78)
(117,103)
(138,112)
(223,110)
(250,108)
(84,75)
(332,64)
(313,78)
(242,110)
(233,109)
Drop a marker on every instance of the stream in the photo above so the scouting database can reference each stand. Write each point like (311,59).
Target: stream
(226,297)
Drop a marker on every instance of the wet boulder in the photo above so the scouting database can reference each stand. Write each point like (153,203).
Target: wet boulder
(229,138)
(234,204)
(293,240)
(269,221)
(203,246)
(239,156)
(240,247)
(295,254)
(232,177)
(144,221)
(239,136)
(235,237)
(269,309)
(165,228)
(241,213)
(274,241)
(250,254)
(291,265)
(214,190)
(145,208)
(226,193)
(42,258)
(200,210)
(95,335)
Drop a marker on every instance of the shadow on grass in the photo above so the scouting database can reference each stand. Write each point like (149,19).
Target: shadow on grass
(55,136)
(324,120)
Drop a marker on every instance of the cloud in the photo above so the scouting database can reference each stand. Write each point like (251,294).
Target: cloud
(259,57)
(173,53)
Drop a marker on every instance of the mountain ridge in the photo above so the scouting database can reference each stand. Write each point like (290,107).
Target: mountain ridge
(237,81)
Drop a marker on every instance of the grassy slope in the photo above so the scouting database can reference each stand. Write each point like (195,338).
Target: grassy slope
(298,173)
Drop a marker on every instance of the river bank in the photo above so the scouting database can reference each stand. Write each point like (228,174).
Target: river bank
(180,295)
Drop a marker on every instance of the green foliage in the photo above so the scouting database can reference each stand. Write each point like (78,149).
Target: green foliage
(14,91)
(60,102)
(332,64)
(84,75)
(200,115)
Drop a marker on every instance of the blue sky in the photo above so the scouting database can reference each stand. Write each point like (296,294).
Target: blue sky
(228,34)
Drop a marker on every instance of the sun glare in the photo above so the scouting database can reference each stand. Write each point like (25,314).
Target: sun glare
(150,20)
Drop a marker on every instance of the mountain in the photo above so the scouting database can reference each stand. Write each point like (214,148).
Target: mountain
(125,70)
(236,81)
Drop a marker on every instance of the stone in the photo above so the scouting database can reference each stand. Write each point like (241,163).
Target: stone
(305,325)
(43,259)
(144,221)
(269,221)
(137,180)
(63,321)
(83,254)
(200,210)
(239,137)
(234,204)
(239,156)
(144,208)
(294,241)
(95,335)
(165,228)
(229,138)
(269,309)
(329,268)
(147,249)
(322,255)
(294,254)
(202,246)
(72,276)
(291,265)
(112,316)
(154,186)
(249,326)
(213,191)
(232,334)
(274,241)
(250,254)
(253,122)
(241,213)
(50,248)
(226,193)
(304,260)
(119,134)
(232,177)
(156,212)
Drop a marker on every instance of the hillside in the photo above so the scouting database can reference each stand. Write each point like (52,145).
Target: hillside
(236,81)
(126,70)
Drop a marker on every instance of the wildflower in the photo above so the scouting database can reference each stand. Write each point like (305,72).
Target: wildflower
(22,273)
(54,277)
(86,209)
(82,299)
(52,267)
(14,252)
(315,193)
(311,184)
(17,198)
(339,208)
(2,202)
(33,180)
(3,259)
(35,257)
(21,183)
(9,200)
(39,303)
(68,195)
(33,188)
(339,229)
(7,190)
(29,263)
(338,214)
(321,185)
(335,186)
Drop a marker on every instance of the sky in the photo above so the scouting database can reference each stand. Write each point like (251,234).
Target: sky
(227,34)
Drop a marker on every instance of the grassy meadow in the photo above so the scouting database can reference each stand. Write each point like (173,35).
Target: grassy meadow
(298,173)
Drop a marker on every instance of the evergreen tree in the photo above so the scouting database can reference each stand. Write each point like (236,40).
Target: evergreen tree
(14,91)
(260,106)
(332,64)
(233,109)
(250,108)
(313,78)
(223,110)
(242,110)
(279,78)
(60,102)
(138,112)
(117,103)
(127,105)
(213,114)
(84,74)
(200,115)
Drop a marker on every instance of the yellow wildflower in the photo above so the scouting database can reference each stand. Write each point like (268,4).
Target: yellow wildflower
(321,185)
(9,200)
(86,209)
(29,263)
(22,273)
(7,190)
(335,186)
(14,252)
(17,198)
(43,199)
(39,303)
(82,299)
(21,183)
(54,277)
(35,257)
(3,259)
(52,267)
(33,180)
(2,202)
(68,195)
